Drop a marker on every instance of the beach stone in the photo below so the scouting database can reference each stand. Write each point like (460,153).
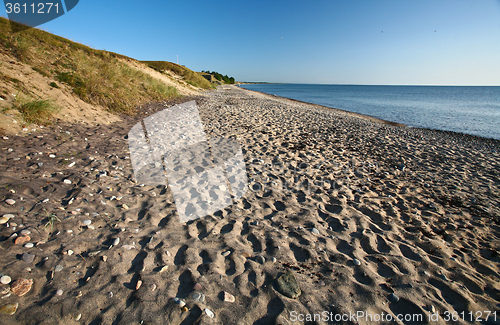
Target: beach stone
(209,313)
(25,232)
(179,302)
(228,297)
(164,268)
(116,241)
(3,220)
(29,245)
(226,253)
(22,240)
(9,309)
(138,285)
(197,286)
(198,296)
(5,279)
(21,287)
(59,292)
(9,216)
(246,255)
(28,258)
(10,201)
(315,231)
(393,297)
(288,286)
(87,222)
(260,259)
(58,268)
(67,181)
(356,262)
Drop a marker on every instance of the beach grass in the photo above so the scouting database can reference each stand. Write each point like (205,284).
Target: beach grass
(97,77)
(189,76)
(37,111)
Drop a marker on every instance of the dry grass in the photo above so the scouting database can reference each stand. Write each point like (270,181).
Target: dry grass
(97,77)
(193,78)
(38,111)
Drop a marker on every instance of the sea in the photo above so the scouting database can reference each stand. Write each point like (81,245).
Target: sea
(466,109)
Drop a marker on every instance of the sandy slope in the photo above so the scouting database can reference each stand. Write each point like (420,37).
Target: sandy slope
(418,209)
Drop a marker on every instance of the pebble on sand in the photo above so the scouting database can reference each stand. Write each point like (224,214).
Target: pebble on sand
(22,240)
(21,287)
(67,181)
(59,292)
(87,222)
(315,231)
(228,297)
(5,279)
(393,297)
(3,220)
(197,286)
(356,261)
(28,258)
(288,286)
(209,313)
(260,259)
(10,201)
(9,309)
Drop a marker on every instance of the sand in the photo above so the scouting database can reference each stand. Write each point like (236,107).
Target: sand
(370,218)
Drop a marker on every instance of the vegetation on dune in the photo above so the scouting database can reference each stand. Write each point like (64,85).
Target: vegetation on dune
(189,76)
(97,77)
(220,77)
(39,111)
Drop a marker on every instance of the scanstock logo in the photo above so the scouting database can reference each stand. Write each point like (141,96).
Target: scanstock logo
(24,14)
(170,147)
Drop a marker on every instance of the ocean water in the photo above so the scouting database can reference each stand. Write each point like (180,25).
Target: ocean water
(464,109)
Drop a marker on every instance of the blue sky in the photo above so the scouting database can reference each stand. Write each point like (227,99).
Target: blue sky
(437,42)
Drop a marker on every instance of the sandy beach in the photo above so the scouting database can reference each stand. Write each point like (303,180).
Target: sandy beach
(375,221)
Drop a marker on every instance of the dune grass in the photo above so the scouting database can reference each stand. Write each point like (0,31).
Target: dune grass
(193,78)
(97,77)
(38,111)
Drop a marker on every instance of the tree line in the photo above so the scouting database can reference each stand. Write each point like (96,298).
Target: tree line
(220,77)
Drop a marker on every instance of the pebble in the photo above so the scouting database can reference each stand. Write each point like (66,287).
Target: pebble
(87,222)
(22,240)
(52,155)
(5,279)
(29,245)
(67,181)
(246,255)
(58,268)
(393,297)
(28,258)
(72,164)
(70,252)
(3,220)
(25,232)
(426,273)
(21,287)
(104,258)
(59,292)
(179,302)
(116,241)
(197,286)
(78,317)
(228,297)
(209,313)
(9,309)
(273,259)
(198,296)
(288,286)
(260,259)
(163,269)
(315,231)
(226,253)
(10,201)
(432,308)
(356,262)
(138,285)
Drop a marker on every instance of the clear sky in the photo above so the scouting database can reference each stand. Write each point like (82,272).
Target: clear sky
(435,42)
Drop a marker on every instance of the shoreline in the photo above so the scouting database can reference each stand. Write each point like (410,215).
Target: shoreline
(494,141)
